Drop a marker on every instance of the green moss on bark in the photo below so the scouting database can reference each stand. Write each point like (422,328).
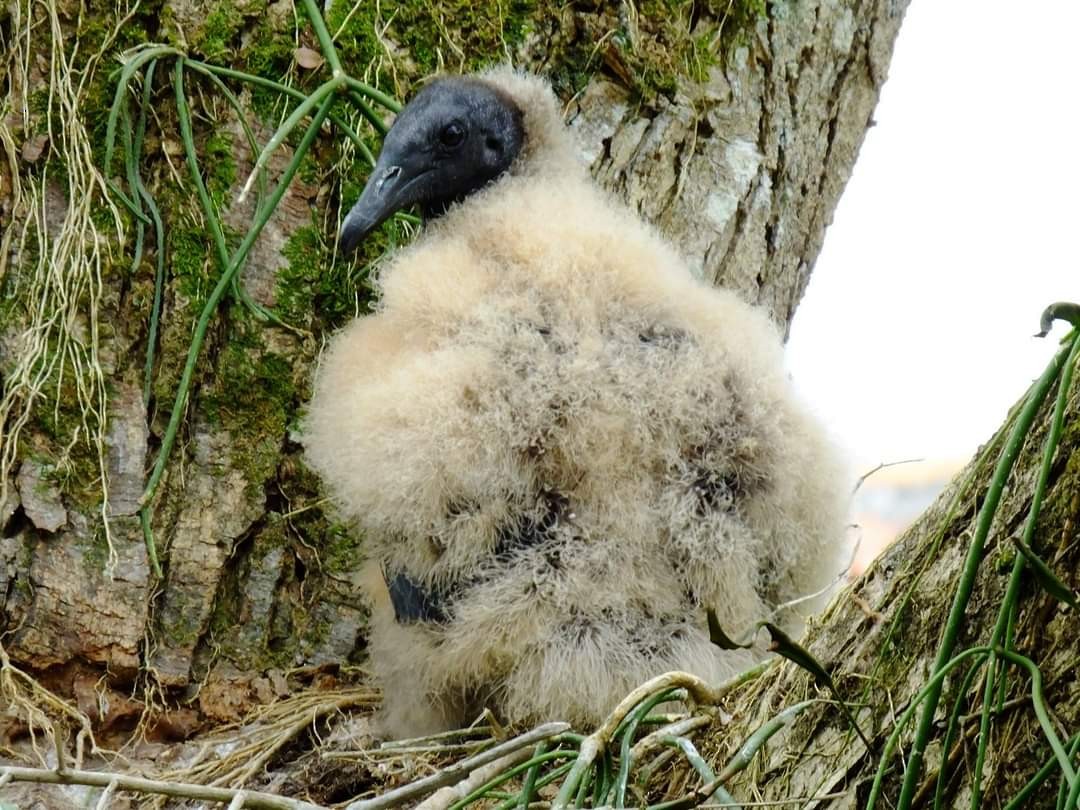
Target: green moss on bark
(252,397)
(220,163)
(327,291)
(61,444)
(651,49)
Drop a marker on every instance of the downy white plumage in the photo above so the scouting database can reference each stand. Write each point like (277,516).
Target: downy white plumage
(560,446)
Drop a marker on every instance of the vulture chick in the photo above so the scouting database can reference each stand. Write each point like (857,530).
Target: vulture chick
(560,446)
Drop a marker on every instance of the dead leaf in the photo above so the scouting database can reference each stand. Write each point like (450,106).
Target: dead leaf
(33,147)
(308,59)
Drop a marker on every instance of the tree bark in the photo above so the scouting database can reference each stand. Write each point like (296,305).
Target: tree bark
(879,639)
(733,131)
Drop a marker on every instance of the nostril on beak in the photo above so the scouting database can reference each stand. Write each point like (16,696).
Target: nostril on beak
(389,174)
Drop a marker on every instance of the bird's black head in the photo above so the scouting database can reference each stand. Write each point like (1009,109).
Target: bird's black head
(453,138)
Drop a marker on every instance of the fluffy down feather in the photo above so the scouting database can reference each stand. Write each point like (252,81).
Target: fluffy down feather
(561,448)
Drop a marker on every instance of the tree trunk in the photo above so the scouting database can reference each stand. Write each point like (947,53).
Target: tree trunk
(732,129)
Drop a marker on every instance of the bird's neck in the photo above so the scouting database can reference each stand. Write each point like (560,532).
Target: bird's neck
(434,210)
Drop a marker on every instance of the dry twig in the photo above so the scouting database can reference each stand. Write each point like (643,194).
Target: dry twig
(455,773)
(252,800)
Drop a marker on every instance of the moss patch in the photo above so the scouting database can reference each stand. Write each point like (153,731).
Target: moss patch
(252,398)
(62,446)
(222,25)
(220,164)
(666,42)
(650,50)
(341,549)
(460,34)
(321,291)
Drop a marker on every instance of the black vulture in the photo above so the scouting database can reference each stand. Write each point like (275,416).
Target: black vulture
(561,448)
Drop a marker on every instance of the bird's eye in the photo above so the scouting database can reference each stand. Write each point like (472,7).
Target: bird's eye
(452,135)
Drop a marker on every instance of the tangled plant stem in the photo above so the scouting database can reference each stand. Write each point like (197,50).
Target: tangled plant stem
(235,263)
(1002,634)
(318,105)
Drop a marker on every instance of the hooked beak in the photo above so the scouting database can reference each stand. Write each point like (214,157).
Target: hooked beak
(391,187)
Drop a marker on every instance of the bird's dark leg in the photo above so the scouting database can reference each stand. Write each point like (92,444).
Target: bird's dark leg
(414,603)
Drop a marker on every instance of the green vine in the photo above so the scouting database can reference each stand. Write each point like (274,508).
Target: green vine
(317,106)
(991,658)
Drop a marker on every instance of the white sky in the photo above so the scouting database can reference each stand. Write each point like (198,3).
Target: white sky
(960,224)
